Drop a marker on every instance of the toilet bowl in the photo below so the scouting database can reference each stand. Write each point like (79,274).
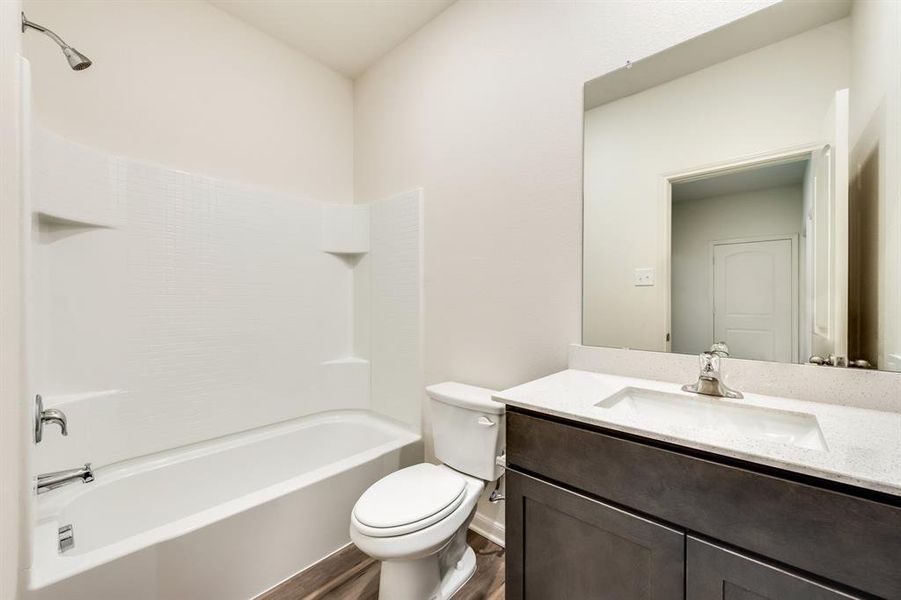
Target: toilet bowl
(415,520)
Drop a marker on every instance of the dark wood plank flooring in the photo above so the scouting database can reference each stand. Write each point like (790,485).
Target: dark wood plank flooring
(351,575)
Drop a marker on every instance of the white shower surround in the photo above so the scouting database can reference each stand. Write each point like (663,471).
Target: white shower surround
(172,309)
(245,511)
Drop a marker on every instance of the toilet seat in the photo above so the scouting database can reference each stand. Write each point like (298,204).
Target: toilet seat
(409,500)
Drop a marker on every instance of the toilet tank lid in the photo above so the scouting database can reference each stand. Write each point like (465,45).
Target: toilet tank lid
(465,396)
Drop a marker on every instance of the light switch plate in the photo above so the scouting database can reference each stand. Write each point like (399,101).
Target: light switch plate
(643,277)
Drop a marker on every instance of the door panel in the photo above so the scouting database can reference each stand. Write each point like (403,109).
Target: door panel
(827,240)
(754,299)
(821,253)
(714,573)
(565,546)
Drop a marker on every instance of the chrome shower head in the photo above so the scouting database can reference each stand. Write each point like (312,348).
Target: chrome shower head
(77,60)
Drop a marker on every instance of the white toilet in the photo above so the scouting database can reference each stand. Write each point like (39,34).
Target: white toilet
(415,520)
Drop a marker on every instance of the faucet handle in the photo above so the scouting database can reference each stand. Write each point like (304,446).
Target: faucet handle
(50,415)
(720,349)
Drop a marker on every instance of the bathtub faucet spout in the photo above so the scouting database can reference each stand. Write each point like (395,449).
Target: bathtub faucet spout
(50,481)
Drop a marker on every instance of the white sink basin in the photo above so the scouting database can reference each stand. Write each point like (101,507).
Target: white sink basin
(661,410)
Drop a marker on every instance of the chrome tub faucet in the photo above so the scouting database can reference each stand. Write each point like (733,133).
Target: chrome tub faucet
(51,481)
(710,380)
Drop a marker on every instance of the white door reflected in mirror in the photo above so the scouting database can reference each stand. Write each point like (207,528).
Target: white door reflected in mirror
(755,297)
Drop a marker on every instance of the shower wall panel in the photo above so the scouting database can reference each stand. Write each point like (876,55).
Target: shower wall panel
(395,306)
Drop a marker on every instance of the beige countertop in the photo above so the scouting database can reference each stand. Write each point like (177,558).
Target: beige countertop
(862,446)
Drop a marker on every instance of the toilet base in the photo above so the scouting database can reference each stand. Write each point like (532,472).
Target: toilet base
(421,579)
(458,577)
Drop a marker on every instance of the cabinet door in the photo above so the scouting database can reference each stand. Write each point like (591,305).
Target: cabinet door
(714,573)
(565,546)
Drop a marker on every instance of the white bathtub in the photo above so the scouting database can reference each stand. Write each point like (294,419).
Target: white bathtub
(228,518)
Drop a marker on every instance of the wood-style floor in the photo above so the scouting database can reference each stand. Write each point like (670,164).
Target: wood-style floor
(351,575)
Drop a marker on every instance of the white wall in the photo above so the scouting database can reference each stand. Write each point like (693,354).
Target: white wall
(483,109)
(696,223)
(13,490)
(186,85)
(875,120)
(764,101)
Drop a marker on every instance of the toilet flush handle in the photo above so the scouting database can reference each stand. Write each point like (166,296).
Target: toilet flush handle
(485,421)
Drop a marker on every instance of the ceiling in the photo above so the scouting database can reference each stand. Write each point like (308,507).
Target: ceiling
(743,180)
(346,35)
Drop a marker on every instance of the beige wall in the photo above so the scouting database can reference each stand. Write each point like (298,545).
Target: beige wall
(13,549)
(696,223)
(186,85)
(764,101)
(483,109)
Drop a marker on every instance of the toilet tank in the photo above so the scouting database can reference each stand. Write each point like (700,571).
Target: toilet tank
(468,428)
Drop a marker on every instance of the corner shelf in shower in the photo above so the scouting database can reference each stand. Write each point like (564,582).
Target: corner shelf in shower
(50,220)
(345,230)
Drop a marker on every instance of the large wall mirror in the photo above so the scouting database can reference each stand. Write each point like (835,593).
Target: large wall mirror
(745,187)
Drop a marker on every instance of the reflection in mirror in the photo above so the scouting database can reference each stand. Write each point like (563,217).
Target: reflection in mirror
(741,229)
(738,189)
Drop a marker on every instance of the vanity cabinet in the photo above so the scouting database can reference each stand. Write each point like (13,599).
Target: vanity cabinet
(580,497)
(571,546)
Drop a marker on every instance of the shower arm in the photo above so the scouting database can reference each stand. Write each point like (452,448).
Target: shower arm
(48,32)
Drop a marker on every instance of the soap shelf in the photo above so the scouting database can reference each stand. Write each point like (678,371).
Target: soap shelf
(345,230)
(56,221)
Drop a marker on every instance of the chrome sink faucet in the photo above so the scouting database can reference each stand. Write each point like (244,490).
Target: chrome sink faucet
(51,481)
(710,380)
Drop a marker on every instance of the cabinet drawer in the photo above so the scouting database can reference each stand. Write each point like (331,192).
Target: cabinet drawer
(715,573)
(852,540)
(565,546)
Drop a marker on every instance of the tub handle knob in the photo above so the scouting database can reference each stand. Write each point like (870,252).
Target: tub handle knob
(486,422)
(50,415)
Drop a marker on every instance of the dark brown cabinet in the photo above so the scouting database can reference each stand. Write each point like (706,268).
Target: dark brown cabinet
(597,514)
(569,547)
(714,573)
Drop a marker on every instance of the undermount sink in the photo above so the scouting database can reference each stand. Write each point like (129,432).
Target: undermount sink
(662,409)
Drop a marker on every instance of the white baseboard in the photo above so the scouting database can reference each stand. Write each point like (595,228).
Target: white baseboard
(488,528)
